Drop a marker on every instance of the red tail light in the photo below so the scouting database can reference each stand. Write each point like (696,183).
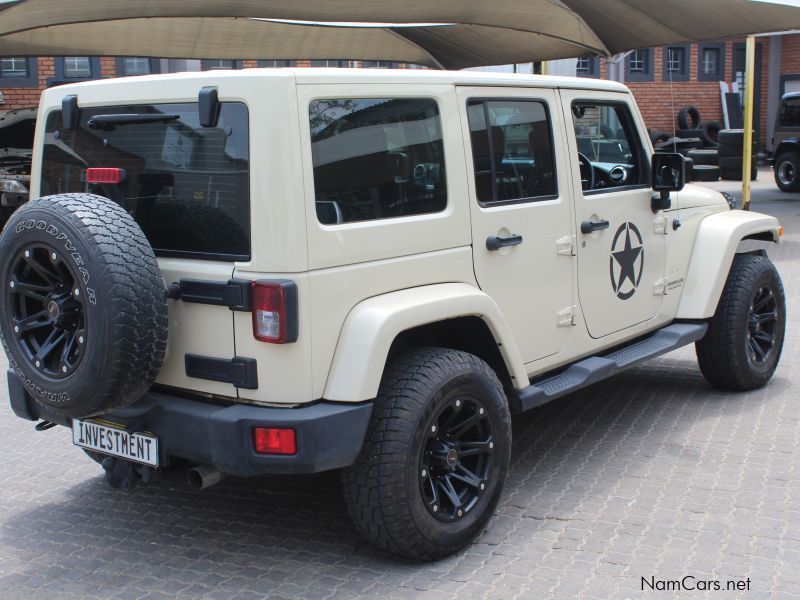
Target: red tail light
(275,311)
(105,175)
(272,440)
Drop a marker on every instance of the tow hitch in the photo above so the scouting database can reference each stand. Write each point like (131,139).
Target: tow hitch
(122,474)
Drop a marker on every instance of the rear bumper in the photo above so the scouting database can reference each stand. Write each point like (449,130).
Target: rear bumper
(329,435)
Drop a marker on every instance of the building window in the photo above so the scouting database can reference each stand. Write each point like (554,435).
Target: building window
(330,63)
(14,66)
(18,71)
(129,66)
(711,62)
(136,65)
(588,66)
(379,64)
(77,67)
(276,63)
(208,65)
(676,63)
(640,65)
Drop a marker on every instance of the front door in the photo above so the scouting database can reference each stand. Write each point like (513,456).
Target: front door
(521,215)
(621,242)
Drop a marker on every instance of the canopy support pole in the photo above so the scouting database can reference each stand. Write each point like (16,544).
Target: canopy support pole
(747,151)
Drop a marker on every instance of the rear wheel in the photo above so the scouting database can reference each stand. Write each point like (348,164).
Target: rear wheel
(745,336)
(432,468)
(787,172)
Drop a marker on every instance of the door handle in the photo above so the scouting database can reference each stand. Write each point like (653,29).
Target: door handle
(494,242)
(590,226)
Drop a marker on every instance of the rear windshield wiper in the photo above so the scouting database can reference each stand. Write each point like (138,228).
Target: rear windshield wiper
(107,122)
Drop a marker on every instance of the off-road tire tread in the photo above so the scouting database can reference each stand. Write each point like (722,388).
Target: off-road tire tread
(374,486)
(138,341)
(717,351)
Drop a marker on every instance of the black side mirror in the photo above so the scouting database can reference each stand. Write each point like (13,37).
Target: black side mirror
(668,174)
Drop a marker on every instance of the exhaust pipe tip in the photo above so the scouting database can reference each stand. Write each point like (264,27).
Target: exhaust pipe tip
(203,476)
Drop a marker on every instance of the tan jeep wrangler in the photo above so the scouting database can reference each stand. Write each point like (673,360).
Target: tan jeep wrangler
(291,271)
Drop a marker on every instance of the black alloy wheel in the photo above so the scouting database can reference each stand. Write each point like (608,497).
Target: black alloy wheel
(456,460)
(762,326)
(47,310)
(745,336)
(432,467)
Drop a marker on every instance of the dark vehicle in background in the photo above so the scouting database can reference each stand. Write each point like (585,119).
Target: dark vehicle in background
(786,159)
(16,148)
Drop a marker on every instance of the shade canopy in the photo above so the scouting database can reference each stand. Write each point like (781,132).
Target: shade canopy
(439,33)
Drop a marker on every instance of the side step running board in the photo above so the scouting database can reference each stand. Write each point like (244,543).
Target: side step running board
(596,368)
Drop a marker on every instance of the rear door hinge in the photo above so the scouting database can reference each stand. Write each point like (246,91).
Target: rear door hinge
(660,287)
(566,316)
(660,225)
(235,293)
(566,245)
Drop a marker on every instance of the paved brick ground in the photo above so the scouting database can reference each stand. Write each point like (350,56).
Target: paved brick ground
(652,474)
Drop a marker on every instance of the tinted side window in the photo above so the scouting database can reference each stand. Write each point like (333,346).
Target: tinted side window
(512,150)
(376,158)
(606,138)
(790,113)
(187,186)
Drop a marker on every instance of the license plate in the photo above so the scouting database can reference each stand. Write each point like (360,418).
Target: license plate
(113,440)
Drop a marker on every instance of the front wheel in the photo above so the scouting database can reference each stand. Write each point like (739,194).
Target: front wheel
(745,336)
(432,468)
(787,172)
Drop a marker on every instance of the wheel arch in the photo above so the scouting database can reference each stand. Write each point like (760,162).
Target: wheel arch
(452,315)
(716,243)
(788,145)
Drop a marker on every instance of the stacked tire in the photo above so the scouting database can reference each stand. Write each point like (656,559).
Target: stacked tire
(705,164)
(690,126)
(731,145)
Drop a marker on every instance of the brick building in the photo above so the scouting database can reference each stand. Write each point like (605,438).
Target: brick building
(690,75)
(680,75)
(22,79)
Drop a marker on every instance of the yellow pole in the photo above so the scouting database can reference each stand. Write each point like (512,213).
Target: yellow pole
(747,151)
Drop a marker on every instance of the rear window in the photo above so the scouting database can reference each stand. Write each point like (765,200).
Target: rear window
(377,158)
(187,186)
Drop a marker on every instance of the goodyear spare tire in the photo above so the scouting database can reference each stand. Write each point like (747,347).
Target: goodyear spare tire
(83,313)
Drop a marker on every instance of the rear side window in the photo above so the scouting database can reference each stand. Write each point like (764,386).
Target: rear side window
(790,112)
(187,186)
(512,150)
(376,158)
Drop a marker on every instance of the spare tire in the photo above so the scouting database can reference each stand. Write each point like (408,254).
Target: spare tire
(704,157)
(83,313)
(689,118)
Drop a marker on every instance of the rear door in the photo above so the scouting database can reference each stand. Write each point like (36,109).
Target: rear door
(188,188)
(521,211)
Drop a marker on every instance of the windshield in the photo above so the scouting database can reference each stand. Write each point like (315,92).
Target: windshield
(187,186)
